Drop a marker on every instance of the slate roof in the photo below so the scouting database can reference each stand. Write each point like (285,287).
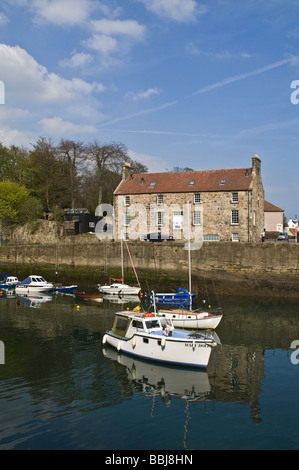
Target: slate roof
(187,181)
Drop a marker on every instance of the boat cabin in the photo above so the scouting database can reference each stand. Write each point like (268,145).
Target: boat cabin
(128,323)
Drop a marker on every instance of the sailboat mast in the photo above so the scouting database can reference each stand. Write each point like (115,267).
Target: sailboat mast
(189,255)
(122,259)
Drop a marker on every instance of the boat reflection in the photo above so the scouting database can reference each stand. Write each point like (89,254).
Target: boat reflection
(34,301)
(168,382)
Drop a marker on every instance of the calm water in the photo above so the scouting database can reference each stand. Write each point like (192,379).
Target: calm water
(60,390)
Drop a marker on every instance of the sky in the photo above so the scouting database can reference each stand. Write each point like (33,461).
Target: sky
(187,83)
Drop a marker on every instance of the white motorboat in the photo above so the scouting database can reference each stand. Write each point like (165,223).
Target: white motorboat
(118,288)
(191,319)
(33,284)
(8,282)
(154,338)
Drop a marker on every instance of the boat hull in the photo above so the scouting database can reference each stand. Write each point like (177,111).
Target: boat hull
(33,289)
(173,350)
(192,320)
(119,290)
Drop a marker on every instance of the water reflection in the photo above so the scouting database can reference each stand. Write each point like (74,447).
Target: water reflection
(56,367)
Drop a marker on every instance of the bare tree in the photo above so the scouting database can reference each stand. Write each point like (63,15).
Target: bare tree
(74,155)
(106,158)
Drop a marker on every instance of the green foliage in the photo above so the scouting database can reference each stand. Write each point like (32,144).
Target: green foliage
(12,196)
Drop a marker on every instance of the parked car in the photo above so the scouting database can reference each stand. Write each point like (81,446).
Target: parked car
(156,237)
(283,236)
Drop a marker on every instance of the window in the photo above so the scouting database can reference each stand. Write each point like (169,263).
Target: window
(235,237)
(145,340)
(213,237)
(127,201)
(159,199)
(137,324)
(196,218)
(235,198)
(197,198)
(126,236)
(235,217)
(159,219)
(152,184)
(126,219)
(177,220)
(191,183)
(223,181)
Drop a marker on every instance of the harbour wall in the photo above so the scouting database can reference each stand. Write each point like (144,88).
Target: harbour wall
(225,268)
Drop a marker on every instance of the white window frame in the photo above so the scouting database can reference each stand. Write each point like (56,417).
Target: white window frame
(235,220)
(126,219)
(235,237)
(126,200)
(235,197)
(197,218)
(160,199)
(159,219)
(211,237)
(197,198)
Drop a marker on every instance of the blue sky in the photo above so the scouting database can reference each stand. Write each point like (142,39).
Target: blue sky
(180,83)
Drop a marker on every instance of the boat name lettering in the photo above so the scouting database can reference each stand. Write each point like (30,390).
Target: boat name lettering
(194,345)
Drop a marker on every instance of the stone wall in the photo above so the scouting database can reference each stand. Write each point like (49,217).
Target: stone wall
(231,267)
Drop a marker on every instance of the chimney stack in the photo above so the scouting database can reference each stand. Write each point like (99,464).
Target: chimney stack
(125,171)
(256,165)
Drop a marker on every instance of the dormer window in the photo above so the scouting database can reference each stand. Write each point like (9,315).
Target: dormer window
(152,184)
(246,173)
(223,181)
(191,183)
(142,180)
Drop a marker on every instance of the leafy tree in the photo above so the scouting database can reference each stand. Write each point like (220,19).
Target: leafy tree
(12,196)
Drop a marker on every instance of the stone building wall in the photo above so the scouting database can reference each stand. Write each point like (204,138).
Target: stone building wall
(218,211)
(216,215)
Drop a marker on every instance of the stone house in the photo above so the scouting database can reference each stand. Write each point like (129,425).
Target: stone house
(224,205)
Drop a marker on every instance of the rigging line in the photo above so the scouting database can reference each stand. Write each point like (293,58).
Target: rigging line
(132,263)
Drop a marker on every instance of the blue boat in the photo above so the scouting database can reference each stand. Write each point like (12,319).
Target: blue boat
(7,281)
(65,289)
(180,298)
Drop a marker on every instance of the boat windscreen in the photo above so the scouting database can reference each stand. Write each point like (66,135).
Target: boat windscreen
(120,325)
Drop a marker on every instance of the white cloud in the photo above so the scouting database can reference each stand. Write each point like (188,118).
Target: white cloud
(3,19)
(155,164)
(118,27)
(102,43)
(178,10)
(26,81)
(57,126)
(77,60)
(143,95)
(10,137)
(62,12)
